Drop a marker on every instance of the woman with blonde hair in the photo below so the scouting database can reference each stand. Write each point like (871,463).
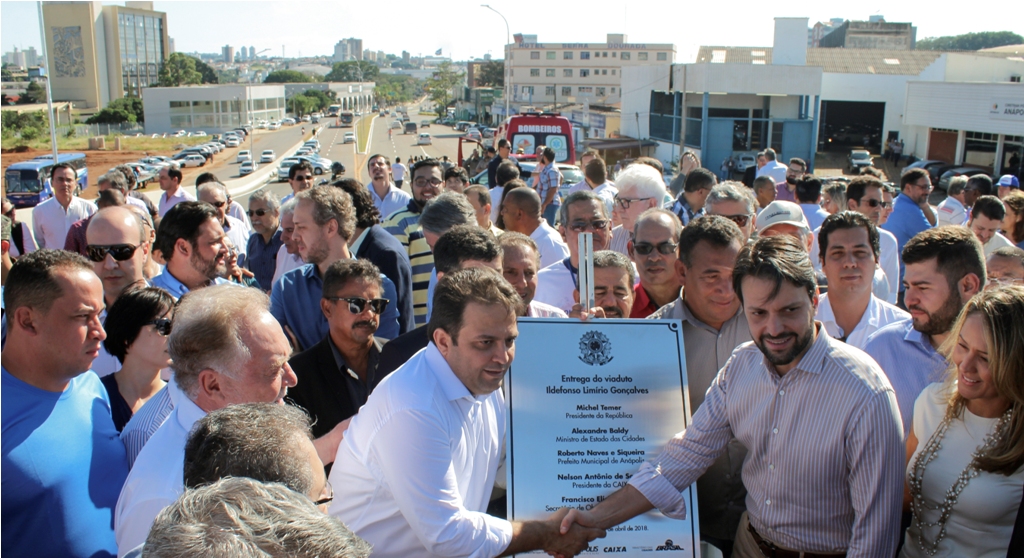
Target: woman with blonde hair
(965,470)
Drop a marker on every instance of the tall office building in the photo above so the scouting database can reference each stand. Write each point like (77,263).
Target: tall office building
(355,46)
(348,49)
(252,52)
(97,53)
(228,53)
(341,51)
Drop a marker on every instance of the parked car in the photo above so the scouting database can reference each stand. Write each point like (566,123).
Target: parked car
(306,118)
(943,183)
(744,161)
(397,124)
(267,156)
(248,167)
(313,144)
(858,159)
(232,142)
(350,137)
(424,123)
(474,134)
(274,126)
(282,170)
(303,151)
(180,134)
(288,121)
(193,160)
(243,155)
(157,161)
(320,165)
(199,134)
(424,139)
(571,174)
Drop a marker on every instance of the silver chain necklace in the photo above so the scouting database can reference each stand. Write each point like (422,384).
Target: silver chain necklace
(927,455)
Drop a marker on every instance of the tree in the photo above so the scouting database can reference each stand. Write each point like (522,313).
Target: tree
(209,74)
(179,70)
(441,85)
(302,104)
(33,94)
(394,89)
(286,76)
(970,41)
(349,71)
(322,99)
(128,109)
(492,74)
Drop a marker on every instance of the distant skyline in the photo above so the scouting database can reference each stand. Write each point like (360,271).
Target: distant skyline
(465,30)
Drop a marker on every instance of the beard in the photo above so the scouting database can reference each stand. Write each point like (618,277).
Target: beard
(942,320)
(801,343)
(211,269)
(318,252)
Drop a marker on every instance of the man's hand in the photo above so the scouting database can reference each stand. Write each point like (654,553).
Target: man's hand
(577,517)
(584,315)
(573,539)
(327,445)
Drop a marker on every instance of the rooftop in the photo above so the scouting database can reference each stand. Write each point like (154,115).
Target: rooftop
(831,60)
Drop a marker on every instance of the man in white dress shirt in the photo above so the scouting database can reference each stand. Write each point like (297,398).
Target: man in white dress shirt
(52,218)
(986,219)
(226,349)
(520,213)
(581,212)
(595,179)
(520,263)
(848,252)
(216,194)
(174,193)
(773,168)
(386,197)
(414,473)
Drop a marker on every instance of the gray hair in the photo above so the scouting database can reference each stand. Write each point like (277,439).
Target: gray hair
(647,182)
(288,207)
(658,212)
(116,179)
(207,334)
(212,187)
(253,440)
(610,258)
(730,191)
(448,210)
(245,518)
(836,191)
(957,184)
(582,195)
(267,197)
(510,239)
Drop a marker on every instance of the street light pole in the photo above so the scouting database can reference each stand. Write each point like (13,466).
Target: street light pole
(507,86)
(49,95)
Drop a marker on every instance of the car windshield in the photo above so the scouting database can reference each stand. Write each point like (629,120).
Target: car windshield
(860,155)
(26,181)
(571,176)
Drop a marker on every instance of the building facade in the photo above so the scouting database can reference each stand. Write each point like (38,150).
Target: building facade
(351,96)
(877,34)
(211,108)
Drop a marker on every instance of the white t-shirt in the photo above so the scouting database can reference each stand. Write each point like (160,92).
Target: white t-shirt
(398,171)
(549,243)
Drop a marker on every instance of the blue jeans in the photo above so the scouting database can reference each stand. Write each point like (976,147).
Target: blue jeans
(549,214)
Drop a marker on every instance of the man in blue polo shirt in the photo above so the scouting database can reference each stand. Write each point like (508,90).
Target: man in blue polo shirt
(911,214)
(191,241)
(63,464)
(324,222)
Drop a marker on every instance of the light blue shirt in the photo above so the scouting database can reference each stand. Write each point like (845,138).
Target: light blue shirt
(176,288)
(906,220)
(909,360)
(815,214)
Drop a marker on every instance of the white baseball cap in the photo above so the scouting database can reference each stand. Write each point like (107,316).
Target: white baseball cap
(781,212)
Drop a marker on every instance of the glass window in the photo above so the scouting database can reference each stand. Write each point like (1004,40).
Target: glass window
(550,54)
(604,72)
(625,56)
(662,56)
(566,91)
(567,73)
(613,90)
(534,72)
(613,71)
(567,55)
(550,72)
(549,91)
(585,90)
(534,56)
(584,73)
(777,131)
(584,56)
(615,55)
(601,92)
(260,104)
(641,56)
(528,89)
(181,121)
(604,55)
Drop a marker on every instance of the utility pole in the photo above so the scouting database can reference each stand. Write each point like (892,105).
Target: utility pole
(49,93)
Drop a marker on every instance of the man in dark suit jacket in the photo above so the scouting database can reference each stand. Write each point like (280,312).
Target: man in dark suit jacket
(371,242)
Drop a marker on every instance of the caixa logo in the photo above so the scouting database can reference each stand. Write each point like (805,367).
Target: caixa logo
(610,549)
(669,545)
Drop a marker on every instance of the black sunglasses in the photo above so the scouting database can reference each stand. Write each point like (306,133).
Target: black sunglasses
(357,305)
(645,248)
(161,325)
(258,212)
(583,226)
(120,252)
(740,220)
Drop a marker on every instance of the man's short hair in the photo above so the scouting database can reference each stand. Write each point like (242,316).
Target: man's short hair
(579,196)
(386,159)
(604,259)
(367,214)
(116,179)
(331,204)
(339,273)
(32,281)
(548,154)
(207,333)
(590,153)
(206,177)
(1011,252)
(775,258)
(846,220)
(910,176)
(174,173)
(110,198)
(982,182)
(483,196)
(808,189)
(510,239)
(989,206)
(714,229)
(133,309)
(67,166)
(182,222)
(769,154)
(267,197)
(763,181)
(875,172)
(646,180)
(857,187)
(214,186)
(596,170)
(655,212)
(506,171)
(459,288)
(252,440)
(957,184)
(448,210)
(425,163)
(301,165)
(650,162)
(457,172)
(129,175)
(730,190)
(504,143)
(464,243)
(526,199)
(798,161)
(245,517)
(955,249)
(288,207)
(699,178)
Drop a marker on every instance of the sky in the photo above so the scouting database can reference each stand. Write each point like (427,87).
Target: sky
(465,30)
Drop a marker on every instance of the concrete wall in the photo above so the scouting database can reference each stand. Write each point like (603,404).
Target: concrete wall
(741,78)
(74,67)
(638,82)
(156,105)
(969,67)
(963,106)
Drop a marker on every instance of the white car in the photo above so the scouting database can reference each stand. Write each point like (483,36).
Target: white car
(180,134)
(215,146)
(267,156)
(248,167)
(282,171)
(312,144)
(288,121)
(193,161)
(303,151)
(243,155)
(320,165)
(274,126)
(307,118)
(199,134)
(424,140)
(232,142)
(350,137)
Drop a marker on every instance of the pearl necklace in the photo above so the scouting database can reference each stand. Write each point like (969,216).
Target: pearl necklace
(930,451)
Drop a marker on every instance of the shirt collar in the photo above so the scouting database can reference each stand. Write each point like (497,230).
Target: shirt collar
(813,360)
(904,200)
(689,317)
(451,385)
(359,240)
(188,413)
(871,316)
(915,336)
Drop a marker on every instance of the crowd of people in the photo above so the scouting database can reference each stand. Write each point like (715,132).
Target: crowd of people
(320,375)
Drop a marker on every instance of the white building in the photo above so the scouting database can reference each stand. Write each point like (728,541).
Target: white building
(210,108)
(351,96)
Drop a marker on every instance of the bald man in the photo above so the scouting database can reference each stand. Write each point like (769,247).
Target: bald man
(521,213)
(115,233)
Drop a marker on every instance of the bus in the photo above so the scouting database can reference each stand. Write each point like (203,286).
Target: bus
(527,131)
(333,110)
(28,183)
(345,118)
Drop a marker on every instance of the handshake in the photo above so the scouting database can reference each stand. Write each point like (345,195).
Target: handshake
(569,532)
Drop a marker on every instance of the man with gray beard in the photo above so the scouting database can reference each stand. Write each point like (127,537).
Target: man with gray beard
(191,241)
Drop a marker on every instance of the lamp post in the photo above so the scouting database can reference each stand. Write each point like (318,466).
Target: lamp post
(49,95)
(507,86)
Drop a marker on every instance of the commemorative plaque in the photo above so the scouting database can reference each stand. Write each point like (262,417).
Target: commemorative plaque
(588,403)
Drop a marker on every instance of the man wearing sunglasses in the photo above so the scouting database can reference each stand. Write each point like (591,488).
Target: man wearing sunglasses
(732,201)
(582,212)
(265,241)
(216,194)
(653,249)
(641,187)
(191,242)
(117,247)
(300,178)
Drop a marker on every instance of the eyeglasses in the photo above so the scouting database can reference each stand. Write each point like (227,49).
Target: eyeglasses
(120,252)
(583,226)
(645,248)
(306,177)
(161,325)
(326,499)
(624,203)
(218,204)
(873,202)
(357,305)
(258,212)
(423,182)
(740,220)
(886,205)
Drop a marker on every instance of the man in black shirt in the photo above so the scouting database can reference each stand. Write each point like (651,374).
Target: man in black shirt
(504,151)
